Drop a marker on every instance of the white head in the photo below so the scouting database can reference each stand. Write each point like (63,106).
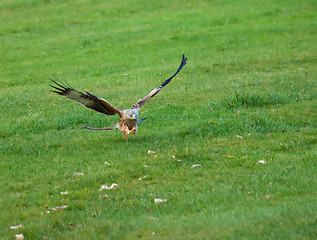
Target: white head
(132,114)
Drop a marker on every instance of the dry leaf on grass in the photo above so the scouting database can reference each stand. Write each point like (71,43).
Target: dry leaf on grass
(106,163)
(152,218)
(261,161)
(79,173)
(59,208)
(150,151)
(158,200)
(16,227)
(196,165)
(268,196)
(146,166)
(57,186)
(64,193)
(140,178)
(106,187)
(18,236)
(238,136)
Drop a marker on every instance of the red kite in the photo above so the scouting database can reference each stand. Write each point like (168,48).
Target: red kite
(128,118)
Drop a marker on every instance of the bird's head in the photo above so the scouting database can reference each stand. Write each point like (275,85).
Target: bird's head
(133,114)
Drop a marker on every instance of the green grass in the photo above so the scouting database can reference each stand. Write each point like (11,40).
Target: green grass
(248,62)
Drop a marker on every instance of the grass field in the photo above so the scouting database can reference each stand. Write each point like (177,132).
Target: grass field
(248,93)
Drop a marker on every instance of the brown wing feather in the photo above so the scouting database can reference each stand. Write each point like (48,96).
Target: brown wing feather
(88,100)
(155,91)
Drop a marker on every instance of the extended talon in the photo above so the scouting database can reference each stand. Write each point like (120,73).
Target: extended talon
(132,131)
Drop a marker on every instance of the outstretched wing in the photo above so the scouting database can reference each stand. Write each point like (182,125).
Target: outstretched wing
(155,91)
(88,100)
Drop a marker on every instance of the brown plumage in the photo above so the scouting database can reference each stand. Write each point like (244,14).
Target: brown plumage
(128,118)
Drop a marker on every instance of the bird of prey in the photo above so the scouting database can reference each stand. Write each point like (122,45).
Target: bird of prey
(128,122)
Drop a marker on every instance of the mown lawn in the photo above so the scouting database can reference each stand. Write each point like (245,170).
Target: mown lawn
(243,108)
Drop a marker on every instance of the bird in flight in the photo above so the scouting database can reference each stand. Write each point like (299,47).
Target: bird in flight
(128,122)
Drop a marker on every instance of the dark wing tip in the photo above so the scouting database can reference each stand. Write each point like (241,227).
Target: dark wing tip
(62,87)
(183,63)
